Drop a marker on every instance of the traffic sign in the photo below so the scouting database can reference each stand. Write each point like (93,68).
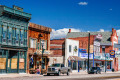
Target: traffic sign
(112,53)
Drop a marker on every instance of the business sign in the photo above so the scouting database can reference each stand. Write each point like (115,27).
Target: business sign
(85,55)
(112,53)
(82,50)
(98,36)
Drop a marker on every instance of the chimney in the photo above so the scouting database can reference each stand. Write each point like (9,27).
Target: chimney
(69,31)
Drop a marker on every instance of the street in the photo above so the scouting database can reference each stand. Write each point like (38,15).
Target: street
(107,76)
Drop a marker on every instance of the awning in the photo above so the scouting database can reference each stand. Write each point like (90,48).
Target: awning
(75,58)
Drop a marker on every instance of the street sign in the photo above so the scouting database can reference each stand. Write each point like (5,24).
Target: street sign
(112,53)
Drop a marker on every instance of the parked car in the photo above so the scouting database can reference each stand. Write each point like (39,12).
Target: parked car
(94,70)
(58,69)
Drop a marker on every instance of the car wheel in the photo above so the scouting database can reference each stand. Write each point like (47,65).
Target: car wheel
(68,73)
(58,73)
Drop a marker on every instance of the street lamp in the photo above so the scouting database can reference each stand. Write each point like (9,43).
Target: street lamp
(39,36)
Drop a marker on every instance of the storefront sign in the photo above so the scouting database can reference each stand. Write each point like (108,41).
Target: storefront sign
(85,55)
(82,50)
(99,37)
(112,53)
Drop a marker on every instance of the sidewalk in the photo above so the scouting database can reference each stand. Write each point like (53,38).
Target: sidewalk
(85,72)
(18,75)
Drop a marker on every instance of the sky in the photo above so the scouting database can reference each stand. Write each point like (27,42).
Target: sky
(79,15)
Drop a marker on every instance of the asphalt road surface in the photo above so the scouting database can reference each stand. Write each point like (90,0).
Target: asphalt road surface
(110,76)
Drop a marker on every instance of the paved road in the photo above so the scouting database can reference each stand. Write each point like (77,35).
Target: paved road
(110,76)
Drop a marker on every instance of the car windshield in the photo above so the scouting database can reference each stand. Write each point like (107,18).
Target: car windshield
(93,67)
(55,65)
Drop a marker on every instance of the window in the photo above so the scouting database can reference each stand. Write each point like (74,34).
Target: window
(38,46)
(32,43)
(43,42)
(69,48)
(10,36)
(103,50)
(62,65)
(17,37)
(21,36)
(4,35)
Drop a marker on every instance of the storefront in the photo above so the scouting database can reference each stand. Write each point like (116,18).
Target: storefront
(12,61)
(35,62)
(76,63)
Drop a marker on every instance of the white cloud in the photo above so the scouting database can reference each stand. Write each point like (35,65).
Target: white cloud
(101,30)
(61,33)
(83,3)
(110,9)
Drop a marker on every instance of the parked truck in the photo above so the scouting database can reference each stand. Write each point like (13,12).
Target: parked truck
(58,68)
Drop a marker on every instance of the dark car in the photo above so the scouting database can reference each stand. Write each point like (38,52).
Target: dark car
(95,70)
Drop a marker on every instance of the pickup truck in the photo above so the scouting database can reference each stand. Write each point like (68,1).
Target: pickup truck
(58,68)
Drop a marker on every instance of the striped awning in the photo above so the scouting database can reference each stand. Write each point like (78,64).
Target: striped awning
(75,58)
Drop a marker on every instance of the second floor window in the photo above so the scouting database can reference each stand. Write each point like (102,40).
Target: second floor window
(21,36)
(4,35)
(69,48)
(17,37)
(10,36)
(32,43)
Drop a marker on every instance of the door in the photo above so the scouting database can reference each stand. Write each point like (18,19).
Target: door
(12,64)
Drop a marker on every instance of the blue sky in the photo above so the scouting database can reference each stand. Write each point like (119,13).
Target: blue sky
(85,15)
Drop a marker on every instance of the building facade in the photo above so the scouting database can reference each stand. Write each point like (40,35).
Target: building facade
(13,39)
(57,48)
(100,49)
(71,54)
(38,39)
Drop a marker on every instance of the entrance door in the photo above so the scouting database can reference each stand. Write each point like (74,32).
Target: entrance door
(12,62)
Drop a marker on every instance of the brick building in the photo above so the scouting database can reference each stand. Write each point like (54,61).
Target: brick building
(57,48)
(37,36)
(105,45)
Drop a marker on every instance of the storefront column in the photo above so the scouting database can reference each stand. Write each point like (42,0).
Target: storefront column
(25,61)
(18,53)
(7,61)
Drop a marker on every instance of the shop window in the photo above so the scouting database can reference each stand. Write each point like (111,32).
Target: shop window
(69,48)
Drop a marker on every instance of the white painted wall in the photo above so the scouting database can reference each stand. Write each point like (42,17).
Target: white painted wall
(73,43)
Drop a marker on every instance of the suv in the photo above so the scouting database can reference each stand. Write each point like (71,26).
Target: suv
(58,68)
(95,70)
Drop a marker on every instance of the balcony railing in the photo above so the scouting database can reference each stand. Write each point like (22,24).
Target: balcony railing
(17,12)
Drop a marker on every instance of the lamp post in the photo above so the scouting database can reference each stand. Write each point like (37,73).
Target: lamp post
(39,36)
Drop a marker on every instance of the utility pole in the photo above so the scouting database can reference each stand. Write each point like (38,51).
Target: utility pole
(105,62)
(88,51)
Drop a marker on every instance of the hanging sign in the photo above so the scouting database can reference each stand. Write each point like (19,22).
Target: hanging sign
(112,53)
